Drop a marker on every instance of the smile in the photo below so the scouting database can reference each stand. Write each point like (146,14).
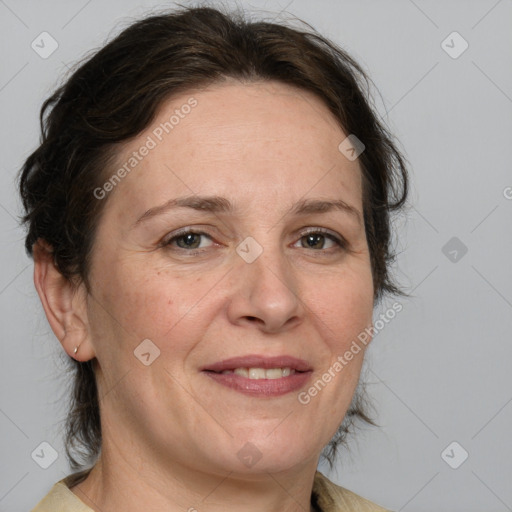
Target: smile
(259,375)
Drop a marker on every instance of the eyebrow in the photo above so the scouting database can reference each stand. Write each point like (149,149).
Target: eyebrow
(217,204)
(308,206)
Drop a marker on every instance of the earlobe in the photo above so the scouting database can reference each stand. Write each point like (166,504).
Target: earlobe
(64,303)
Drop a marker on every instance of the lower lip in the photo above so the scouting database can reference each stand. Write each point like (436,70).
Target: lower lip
(261,387)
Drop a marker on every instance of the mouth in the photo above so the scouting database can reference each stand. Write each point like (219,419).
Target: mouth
(259,375)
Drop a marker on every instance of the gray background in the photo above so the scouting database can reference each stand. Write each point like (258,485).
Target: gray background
(440,371)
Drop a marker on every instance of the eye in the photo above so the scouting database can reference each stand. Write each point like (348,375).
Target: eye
(320,239)
(189,240)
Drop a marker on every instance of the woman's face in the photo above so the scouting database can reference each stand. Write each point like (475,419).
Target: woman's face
(226,244)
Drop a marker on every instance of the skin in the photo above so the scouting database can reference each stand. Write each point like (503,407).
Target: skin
(170,433)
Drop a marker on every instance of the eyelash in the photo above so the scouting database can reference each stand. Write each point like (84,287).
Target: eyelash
(339,241)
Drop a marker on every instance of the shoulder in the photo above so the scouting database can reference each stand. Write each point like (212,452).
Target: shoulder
(61,499)
(333,498)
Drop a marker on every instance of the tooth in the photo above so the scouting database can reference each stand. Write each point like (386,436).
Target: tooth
(261,373)
(226,372)
(256,373)
(242,372)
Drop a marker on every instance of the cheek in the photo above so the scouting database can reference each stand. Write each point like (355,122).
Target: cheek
(140,301)
(343,306)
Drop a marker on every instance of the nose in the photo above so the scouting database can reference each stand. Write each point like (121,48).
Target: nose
(265,294)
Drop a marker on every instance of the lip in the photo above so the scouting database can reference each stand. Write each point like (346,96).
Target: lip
(260,387)
(257,361)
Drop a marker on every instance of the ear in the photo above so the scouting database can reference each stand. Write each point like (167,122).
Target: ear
(64,303)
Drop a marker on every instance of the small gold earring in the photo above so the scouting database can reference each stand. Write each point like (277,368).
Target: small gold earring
(76,349)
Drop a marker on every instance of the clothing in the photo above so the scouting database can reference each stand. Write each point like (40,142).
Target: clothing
(333,498)
(328,496)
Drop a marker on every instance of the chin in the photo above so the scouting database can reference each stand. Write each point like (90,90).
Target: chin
(262,453)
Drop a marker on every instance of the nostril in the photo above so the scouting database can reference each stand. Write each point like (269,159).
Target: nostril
(254,320)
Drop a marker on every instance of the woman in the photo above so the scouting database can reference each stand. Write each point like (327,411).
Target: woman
(208,214)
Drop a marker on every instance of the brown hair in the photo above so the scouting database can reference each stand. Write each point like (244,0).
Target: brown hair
(115,94)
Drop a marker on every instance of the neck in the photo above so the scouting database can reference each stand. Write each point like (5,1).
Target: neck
(120,481)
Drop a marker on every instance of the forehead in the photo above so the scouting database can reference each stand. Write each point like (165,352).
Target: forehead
(233,139)
(238,117)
